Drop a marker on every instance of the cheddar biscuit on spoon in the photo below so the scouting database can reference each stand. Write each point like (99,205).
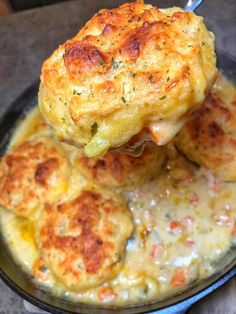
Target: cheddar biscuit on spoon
(131,68)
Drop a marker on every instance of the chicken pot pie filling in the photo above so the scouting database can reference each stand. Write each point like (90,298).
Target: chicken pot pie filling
(122,244)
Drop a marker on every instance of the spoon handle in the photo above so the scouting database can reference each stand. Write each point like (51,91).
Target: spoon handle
(192,5)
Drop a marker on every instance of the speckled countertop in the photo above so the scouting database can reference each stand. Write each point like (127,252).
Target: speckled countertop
(27,38)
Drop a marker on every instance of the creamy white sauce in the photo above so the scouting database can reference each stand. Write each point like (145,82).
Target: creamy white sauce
(179,225)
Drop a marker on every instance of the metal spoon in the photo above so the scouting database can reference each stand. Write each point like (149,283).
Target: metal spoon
(192,5)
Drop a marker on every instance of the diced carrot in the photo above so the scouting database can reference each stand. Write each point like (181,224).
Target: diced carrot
(216,187)
(179,277)
(223,217)
(214,184)
(194,199)
(155,134)
(106,294)
(157,250)
(176,225)
(39,270)
(233,232)
(189,242)
(188,220)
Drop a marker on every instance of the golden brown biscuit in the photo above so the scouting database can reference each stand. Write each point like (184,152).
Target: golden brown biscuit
(128,68)
(31,174)
(209,137)
(83,240)
(116,169)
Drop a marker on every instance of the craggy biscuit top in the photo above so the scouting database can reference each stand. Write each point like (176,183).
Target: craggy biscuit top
(116,169)
(126,69)
(83,240)
(209,136)
(31,174)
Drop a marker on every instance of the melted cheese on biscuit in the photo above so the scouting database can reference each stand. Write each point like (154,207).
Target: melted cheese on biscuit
(126,68)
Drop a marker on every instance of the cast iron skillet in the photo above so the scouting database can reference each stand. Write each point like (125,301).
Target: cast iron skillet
(22,284)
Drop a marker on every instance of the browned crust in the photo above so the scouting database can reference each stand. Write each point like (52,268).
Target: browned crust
(87,56)
(209,137)
(208,125)
(118,169)
(84,213)
(81,240)
(84,57)
(25,175)
(45,169)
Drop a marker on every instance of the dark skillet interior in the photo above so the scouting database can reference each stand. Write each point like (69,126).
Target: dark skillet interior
(22,284)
